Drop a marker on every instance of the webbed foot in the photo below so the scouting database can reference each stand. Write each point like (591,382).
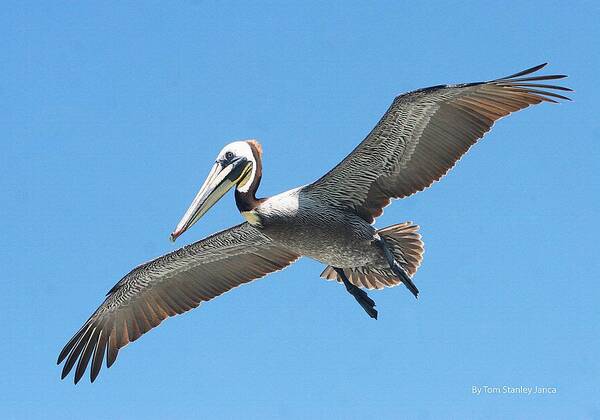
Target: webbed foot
(360,295)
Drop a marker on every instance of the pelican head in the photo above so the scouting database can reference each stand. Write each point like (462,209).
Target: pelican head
(236,165)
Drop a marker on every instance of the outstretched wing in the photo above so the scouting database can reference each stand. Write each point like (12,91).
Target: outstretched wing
(422,136)
(170,285)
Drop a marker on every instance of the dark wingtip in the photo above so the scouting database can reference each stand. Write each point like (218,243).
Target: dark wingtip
(111,355)
(526,71)
(66,369)
(63,353)
(78,374)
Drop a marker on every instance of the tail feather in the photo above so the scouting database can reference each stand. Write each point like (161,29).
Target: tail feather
(407,247)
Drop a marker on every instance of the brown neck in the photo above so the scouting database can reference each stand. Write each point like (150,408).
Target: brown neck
(247,201)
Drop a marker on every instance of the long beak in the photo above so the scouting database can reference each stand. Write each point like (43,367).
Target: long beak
(219,181)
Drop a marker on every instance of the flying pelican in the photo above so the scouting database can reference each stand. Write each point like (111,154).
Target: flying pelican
(418,140)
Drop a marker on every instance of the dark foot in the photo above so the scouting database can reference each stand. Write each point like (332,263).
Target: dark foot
(360,295)
(398,270)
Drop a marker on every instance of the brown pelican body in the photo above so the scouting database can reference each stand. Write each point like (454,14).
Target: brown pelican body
(313,229)
(421,136)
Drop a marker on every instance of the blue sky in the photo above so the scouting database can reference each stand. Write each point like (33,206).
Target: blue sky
(112,115)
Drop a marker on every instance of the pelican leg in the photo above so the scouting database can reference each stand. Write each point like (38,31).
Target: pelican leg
(397,269)
(360,295)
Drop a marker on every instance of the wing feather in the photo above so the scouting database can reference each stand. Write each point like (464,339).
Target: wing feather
(167,286)
(422,136)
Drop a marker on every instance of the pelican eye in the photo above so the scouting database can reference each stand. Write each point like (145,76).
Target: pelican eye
(229,155)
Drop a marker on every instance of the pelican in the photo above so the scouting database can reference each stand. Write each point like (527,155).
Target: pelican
(417,141)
